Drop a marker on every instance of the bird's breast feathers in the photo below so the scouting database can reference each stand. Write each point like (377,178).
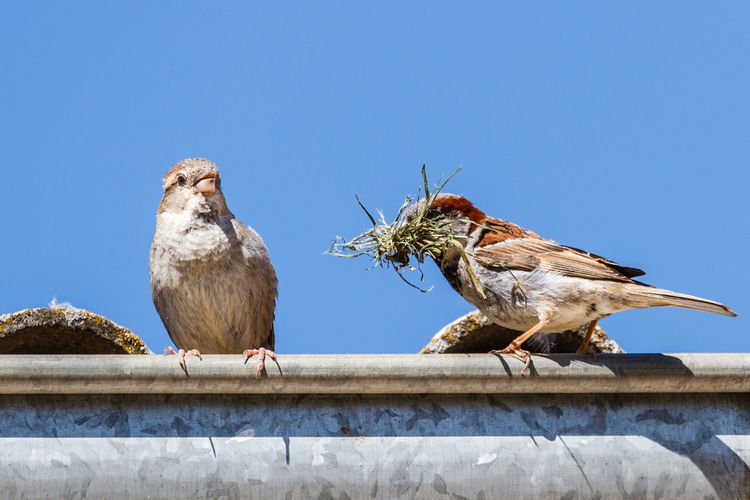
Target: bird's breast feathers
(187,238)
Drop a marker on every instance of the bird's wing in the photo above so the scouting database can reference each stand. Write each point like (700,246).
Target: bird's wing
(630,272)
(498,230)
(529,254)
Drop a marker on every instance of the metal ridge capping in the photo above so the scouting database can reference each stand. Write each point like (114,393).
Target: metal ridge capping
(377,374)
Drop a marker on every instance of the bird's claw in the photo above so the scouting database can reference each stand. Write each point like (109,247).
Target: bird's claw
(516,352)
(182,354)
(588,349)
(262,353)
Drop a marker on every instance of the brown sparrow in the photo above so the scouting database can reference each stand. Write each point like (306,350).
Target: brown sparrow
(532,285)
(212,281)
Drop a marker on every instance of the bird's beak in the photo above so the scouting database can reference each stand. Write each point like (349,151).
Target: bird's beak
(204,181)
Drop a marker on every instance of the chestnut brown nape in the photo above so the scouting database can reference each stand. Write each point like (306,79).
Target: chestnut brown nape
(451,203)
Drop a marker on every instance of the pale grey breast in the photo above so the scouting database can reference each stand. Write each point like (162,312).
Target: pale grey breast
(213,285)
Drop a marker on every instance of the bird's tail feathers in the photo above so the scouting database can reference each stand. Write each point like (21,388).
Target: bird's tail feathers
(645,296)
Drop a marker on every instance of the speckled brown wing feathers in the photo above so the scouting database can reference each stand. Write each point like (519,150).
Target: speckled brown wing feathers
(505,245)
(630,272)
(497,231)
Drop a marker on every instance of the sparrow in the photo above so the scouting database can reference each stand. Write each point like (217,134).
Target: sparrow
(534,285)
(212,280)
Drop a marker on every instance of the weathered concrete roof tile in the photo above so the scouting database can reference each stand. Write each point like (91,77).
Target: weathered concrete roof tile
(474,333)
(65,330)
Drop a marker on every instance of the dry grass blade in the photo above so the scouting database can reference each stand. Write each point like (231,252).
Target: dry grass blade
(395,244)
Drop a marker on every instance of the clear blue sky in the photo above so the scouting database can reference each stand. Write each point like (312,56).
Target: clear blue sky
(616,127)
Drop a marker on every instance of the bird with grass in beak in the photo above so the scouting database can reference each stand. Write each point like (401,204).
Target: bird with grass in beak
(524,282)
(212,280)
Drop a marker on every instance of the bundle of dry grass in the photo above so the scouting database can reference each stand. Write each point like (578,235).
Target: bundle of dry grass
(394,244)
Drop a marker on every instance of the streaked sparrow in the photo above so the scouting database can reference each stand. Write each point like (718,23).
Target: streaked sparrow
(533,285)
(212,280)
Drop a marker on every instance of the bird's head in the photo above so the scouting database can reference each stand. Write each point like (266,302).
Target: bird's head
(193,184)
(460,211)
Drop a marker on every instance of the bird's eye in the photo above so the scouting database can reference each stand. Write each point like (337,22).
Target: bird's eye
(181,180)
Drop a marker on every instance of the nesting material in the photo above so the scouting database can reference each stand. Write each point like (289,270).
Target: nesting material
(394,244)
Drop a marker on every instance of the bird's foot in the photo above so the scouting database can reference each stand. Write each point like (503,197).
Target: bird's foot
(515,350)
(586,348)
(262,353)
(181,354)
